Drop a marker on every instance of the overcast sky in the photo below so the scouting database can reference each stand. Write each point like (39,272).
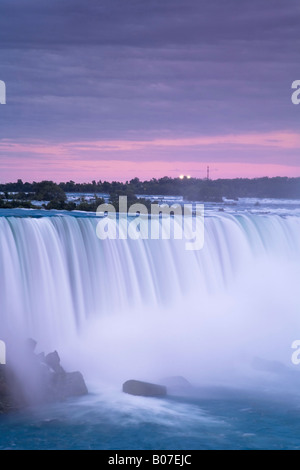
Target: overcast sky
(112,89)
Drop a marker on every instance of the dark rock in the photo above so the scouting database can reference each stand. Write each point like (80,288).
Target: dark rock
(68,385)
(3,389)
(49,382)
(53,361)
(7,399)
(144,389)
(59,383)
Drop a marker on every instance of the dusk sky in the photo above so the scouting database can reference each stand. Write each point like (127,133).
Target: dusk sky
(113,89)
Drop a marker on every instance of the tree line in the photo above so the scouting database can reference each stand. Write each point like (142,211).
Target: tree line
(21,194)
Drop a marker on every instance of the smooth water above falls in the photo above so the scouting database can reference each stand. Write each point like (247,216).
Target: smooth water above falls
(148,309)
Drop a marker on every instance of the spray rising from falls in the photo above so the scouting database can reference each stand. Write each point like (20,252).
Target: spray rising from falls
(149,307)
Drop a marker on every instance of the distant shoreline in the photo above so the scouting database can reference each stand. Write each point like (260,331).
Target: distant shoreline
(190,189)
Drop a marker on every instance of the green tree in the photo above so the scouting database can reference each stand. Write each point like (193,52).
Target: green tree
(49,191)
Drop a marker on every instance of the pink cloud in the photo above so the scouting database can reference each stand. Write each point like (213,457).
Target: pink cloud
(281,140)
(125,170)
(247,155)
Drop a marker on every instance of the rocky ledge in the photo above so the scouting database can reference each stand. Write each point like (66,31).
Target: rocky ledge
(47,382)
(144,389)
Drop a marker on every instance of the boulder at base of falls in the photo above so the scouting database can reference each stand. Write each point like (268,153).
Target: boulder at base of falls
(5,398)
(66,385)
(144,389)
(56,383)
(38,379)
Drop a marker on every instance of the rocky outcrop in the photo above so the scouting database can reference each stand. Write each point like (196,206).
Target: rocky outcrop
(47,381)
(144,389)
(6,402)
(53,361)
(66,385)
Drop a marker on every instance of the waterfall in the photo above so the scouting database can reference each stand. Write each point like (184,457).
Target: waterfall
(60,282)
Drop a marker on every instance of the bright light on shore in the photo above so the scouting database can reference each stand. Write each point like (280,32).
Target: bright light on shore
(183,176)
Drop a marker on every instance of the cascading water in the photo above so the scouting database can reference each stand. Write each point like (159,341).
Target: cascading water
(149,308)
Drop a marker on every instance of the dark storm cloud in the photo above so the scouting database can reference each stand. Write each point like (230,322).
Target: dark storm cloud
(159,68)
(151,23)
